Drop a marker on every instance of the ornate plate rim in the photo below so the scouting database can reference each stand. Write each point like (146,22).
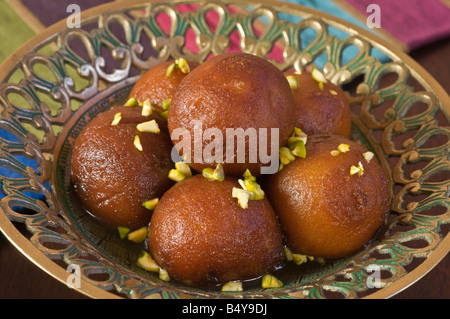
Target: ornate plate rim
(22,244)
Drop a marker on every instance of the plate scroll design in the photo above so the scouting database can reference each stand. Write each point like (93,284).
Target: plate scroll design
(46,92)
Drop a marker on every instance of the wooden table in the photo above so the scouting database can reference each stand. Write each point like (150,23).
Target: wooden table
(19,278)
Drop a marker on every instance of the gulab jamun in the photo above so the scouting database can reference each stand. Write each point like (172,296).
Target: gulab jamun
(111,176)
(321,106)
(159,83)
(330,203)
(232,93)
(201,236)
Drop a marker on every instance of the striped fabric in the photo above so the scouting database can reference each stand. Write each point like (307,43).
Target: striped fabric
(409,24)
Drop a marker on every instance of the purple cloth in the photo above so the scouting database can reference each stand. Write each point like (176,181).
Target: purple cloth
(52,11)
(414,22)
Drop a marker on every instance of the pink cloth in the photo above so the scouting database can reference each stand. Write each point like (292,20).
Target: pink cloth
(414,22)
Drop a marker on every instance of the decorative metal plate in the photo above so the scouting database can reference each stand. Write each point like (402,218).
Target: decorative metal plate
(55,83)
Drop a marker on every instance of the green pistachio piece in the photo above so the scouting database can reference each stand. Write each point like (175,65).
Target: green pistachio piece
(163,275)
(357,169)
(176,175)
(255,188)
(269,281)
(248,175)
(286,156)
(318,76)
(232,286)
(301,259)
(146,262)
(180,64)
(184,168)
(147,108)
(368,156)
(242,195)
(298,149)
(333,92)
(123,231)
(117,118)
(293,82)
(131,102)
(149,126)
(151,203)
(183,65)
(137,143)
(166,103)
(217,174)
(288,253)
(163,114)
(138,235)
(170,69)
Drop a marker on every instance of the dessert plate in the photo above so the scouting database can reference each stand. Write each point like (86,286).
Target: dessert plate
(55,83)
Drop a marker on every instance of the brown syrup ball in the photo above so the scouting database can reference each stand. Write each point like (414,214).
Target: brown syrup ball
(320,110)
(202,237)
(156,86)
(231,92)
(323,209)
(111,177)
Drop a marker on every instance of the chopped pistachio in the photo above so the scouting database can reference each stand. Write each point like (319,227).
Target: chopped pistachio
(184,168)
(166,103)
(335,152)
(139,235)
(294,139)
(357,169)
(286,156)
(149,126)
(288,253)
(298,149)
(131,102)
(250,190)
(293,82)
(151,203)
(147,108)
(242,196)
(343,148)
(146,262)
(318,76)
(217,174)
(298,135)
(255,188)
(163,274)
(241,182)
(180,64)
(164,114)
(333,92)
(176,175)
(183,65)
(269,281)
(232,286)
(368,156)
(248,175)
(298,131)
(301,259)
(208,173)
(137,143)
(123,231)
(170,69)
(320,84)
(117,118)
